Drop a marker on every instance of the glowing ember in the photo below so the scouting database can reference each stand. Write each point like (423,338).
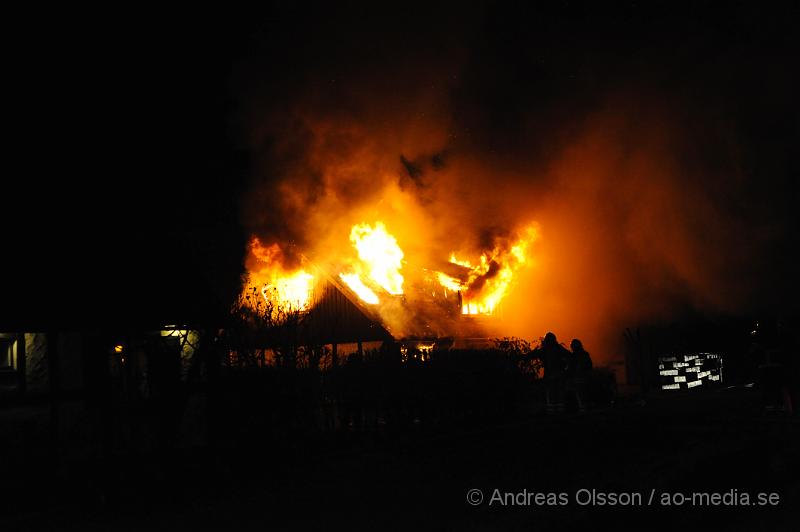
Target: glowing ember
(379,251)
(353,281)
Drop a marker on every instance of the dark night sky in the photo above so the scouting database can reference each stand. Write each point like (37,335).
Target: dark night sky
(124,192)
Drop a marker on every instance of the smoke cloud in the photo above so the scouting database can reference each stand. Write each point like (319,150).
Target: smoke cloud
(638,194)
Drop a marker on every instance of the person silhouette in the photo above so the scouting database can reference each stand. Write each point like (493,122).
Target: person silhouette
(578,372)
(554,358)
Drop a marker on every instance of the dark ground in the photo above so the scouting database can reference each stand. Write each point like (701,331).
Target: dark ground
(714,441)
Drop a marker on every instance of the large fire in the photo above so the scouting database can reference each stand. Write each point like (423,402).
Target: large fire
(373,271)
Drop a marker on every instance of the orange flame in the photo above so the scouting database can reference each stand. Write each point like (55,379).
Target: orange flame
(489,281)
(451,283)
(381,255)
(357,285)
(373,272)
(287,290)
(290,292)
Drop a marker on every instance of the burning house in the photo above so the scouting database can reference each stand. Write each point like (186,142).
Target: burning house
(371,290)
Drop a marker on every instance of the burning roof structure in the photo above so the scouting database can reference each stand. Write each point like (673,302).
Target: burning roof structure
(373,277)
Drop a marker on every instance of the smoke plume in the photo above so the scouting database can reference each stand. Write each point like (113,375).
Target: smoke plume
(637,194)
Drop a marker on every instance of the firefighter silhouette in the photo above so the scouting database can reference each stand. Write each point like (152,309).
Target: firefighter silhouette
(554,358)
(579,370)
